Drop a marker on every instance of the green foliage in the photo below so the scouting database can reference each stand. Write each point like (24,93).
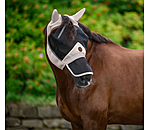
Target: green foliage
(28,74)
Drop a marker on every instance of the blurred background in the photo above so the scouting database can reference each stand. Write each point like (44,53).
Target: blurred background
(29,77)
(30,85)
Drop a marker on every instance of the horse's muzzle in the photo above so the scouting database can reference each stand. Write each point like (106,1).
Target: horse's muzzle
(83,81)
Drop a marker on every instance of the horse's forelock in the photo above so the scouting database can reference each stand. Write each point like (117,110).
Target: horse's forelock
(70,30)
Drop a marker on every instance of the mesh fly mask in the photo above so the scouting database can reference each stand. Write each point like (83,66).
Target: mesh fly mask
(64,52)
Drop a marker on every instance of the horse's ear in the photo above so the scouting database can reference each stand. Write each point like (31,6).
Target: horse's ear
(79,14)
(55,16)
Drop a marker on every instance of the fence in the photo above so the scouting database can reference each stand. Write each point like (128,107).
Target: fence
(22,116)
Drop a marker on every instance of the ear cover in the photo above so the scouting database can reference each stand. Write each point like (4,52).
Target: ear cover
(55,16)
(78,15)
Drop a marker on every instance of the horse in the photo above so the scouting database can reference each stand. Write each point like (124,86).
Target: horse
(98,81)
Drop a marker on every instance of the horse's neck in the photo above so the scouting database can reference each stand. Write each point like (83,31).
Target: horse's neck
(62,77)
(65,84)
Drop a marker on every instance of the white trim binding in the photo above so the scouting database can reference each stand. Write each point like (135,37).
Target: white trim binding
(78,74)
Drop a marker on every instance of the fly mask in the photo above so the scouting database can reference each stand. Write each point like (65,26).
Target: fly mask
(65,52)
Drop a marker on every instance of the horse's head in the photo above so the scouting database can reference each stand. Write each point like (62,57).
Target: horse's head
(66,46)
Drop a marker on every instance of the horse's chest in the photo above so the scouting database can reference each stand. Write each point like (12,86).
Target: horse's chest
(66,111)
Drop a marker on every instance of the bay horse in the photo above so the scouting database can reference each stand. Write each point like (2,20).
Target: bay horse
(104,85)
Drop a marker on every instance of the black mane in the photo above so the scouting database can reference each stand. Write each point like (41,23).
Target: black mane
(94,36)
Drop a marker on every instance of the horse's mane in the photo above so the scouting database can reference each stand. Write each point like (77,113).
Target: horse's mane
(94,36)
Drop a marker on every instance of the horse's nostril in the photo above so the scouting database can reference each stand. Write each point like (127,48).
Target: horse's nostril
(85,78)
(89,77)
(83,81)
